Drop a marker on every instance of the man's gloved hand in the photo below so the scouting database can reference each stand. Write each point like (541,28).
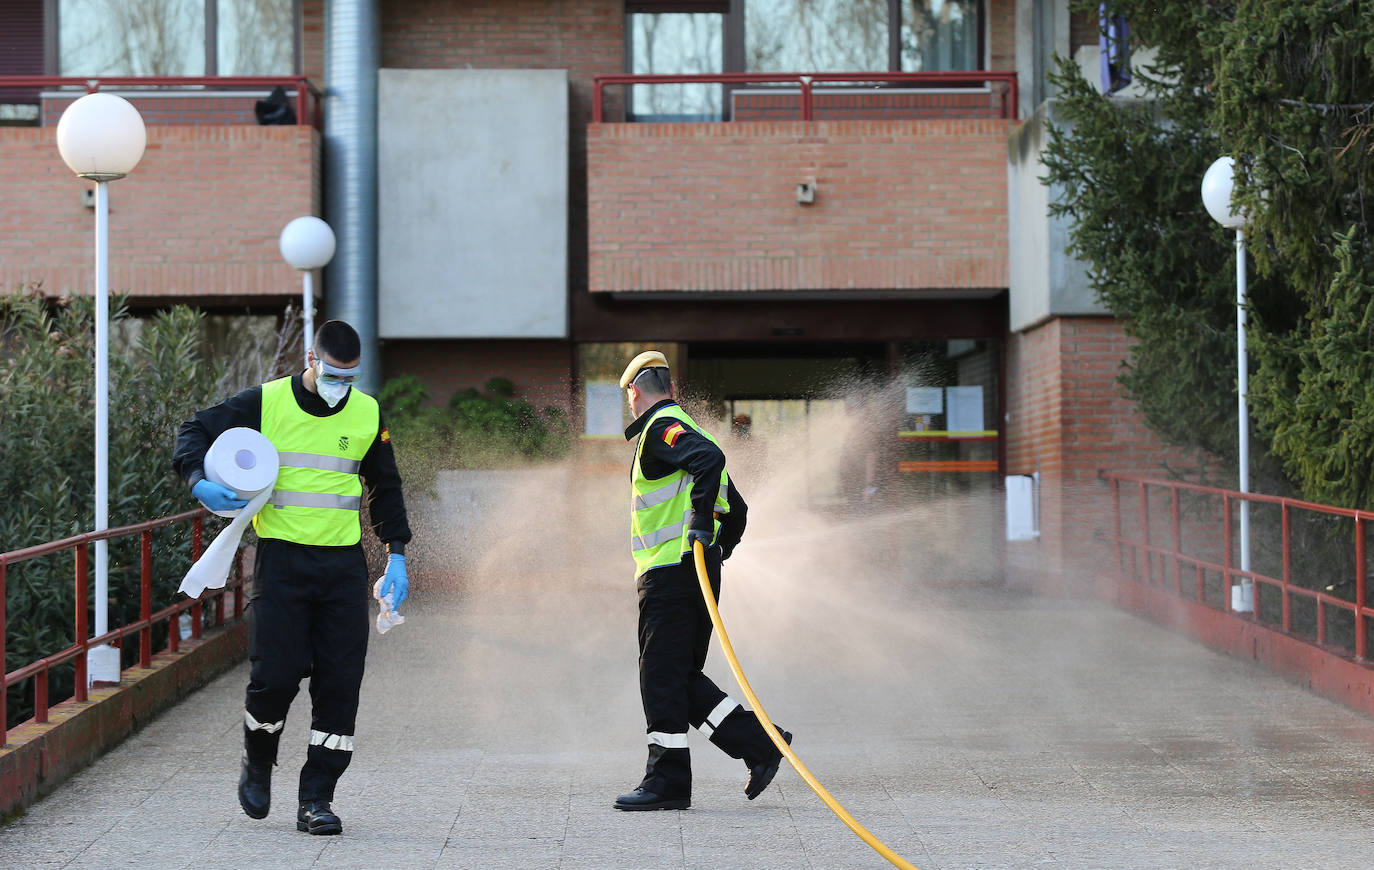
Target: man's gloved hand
(217,496)
(694,535)
(395,582)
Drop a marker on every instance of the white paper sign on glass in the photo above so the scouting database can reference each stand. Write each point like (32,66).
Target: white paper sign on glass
(604,404)
(964,409)
(925,400)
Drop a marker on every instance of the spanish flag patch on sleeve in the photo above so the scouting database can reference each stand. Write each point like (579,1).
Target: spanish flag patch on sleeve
(672,433)
(386,435)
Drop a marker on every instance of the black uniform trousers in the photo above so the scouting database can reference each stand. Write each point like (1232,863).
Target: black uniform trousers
(308,617)
(674,637)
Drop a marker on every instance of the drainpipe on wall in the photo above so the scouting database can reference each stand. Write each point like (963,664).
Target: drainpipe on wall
(351,57)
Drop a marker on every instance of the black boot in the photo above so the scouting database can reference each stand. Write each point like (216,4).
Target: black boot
(255,788)
(761,774)
(643,799)
(317,818)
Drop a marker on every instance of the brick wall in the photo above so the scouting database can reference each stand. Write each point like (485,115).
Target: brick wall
(1084,29)
(901,205)
(312,41)
(199,217)
(1002,34)
(539,369)
(1068,418)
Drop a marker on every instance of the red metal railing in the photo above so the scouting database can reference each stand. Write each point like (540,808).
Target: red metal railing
(806,82)
(1143,557)
(76,653)
(308,103)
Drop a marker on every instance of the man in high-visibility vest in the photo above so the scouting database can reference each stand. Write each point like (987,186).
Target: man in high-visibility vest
(308,615)
(682,494)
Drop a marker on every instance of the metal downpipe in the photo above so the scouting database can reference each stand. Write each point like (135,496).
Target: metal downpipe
(351,58)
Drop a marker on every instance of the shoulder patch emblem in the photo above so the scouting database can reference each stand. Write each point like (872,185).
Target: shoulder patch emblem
(343,443)
(672,433)
(386,435)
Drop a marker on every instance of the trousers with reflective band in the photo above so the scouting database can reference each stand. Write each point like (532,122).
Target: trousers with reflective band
(318,493)
(661,509)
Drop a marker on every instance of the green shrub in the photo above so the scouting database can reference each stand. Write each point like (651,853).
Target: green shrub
(158,377)
(490,428)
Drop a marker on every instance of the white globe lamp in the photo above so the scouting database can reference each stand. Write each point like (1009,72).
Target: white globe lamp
(101,137)
(1218,185)
(307,243)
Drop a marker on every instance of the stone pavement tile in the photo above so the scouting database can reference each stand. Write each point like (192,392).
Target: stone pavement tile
(643,856)
(233,849)
(350,852)
(125,849)
(30,842)
(498,855)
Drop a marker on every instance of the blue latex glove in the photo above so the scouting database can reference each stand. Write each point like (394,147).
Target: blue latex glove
(694,535)
(216,496)
(395,582)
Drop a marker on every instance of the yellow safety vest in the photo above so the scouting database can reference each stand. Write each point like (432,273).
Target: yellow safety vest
(318,494)
(661,509)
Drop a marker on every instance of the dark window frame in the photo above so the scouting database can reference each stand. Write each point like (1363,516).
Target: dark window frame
(732,37)
(52,46)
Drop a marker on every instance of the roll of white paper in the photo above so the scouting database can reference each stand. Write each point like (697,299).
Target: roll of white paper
(246,462)
(243,460)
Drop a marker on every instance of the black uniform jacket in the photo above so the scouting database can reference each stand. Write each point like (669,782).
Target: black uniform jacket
(385,501)
(693,453)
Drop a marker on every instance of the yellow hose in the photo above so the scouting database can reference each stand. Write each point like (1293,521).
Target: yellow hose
(878,846)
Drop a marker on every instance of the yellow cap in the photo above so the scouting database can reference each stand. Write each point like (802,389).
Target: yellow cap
(647,360)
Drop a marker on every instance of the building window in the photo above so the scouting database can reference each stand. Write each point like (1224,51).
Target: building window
(131,37)
(176,37)
(802,36)
(816,35)
(939,35)
(676,43)
(256,37)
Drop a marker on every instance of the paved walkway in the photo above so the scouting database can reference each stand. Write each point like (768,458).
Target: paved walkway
(968,729)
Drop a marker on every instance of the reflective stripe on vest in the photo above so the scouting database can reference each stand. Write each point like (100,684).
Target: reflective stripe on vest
(318,494)
(315,460)
(316,500)
(662,536)
(661,510)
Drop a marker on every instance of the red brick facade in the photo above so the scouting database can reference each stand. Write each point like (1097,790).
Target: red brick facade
(312,41)
(199,217)
(1002,34)
(1068,418)
(900,205)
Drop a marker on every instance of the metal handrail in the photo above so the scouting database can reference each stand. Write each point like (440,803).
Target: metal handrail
(806,81)
(143,626)
(308,96)
(1163,554)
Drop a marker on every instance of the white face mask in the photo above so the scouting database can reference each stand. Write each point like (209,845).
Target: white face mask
(332,393)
